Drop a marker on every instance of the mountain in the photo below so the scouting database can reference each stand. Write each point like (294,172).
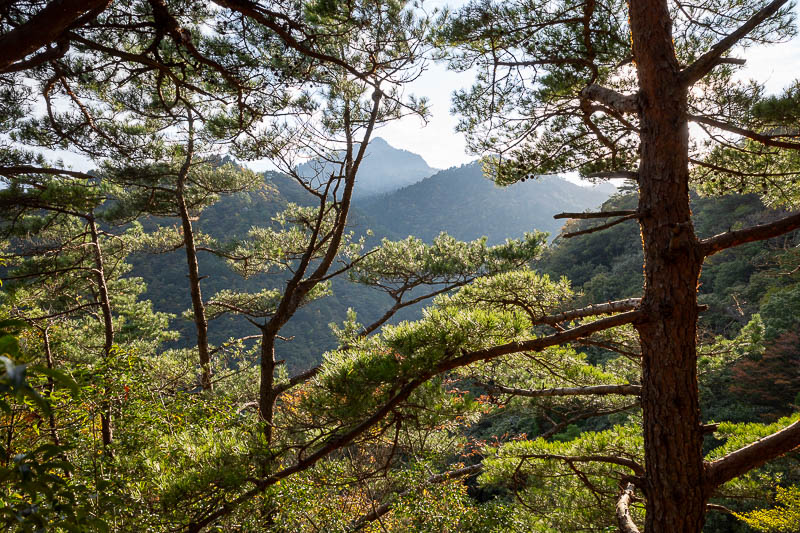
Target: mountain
(462,202)
(383,170)
(459,200)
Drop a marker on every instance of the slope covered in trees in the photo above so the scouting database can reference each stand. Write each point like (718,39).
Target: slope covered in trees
(462,202)
(423,210)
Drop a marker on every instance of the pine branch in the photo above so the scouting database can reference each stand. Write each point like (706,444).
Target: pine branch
(403,393)
(752,456)
(45,27)
(694,72)
(761,232)
(615,174)
(381,510)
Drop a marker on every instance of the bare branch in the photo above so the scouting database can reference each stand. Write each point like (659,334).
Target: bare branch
(577,61)
(560,426)
(767,140)
(761,232)
(626,524)
(617,306)
(594,390)
(712,58)
(610,459)
(600,228)
(601,214)
(717,507)
(622,103)
(752,456)
(65,312)
(296,380)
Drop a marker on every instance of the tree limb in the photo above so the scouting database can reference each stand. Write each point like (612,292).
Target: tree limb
(45,27)
(719,508)
(622,103)
(617,306)
(610,459)
(601,227)
(27,169)
(297,379)
(593,390)
(601,214)
(767,140)
(626,524)
(712,58)
(761,232)
(752,456)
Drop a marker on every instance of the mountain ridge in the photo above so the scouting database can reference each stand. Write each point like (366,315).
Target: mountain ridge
(463,202)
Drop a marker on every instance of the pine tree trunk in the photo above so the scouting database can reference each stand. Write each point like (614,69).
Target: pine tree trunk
(675,491)
(107,429)
(198,309)
(266,393)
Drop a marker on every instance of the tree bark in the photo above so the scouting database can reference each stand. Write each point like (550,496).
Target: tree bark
(198,309)
(106,428)
(267,392)
(675,492)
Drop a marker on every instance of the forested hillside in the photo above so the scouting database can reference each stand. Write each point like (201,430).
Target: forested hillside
(458,201)
(189,346)
(462,202)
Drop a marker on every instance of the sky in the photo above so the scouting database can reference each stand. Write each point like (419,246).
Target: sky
(441,147)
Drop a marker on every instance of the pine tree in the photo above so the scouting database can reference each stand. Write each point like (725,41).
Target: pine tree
(609,90)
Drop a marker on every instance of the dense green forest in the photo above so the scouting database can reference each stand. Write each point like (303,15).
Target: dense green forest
(357,342)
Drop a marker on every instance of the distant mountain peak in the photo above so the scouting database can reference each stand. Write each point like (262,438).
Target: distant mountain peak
(380,141)
(385,169)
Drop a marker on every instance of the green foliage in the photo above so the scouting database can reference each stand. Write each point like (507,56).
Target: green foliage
(118,436)
(784,517)
(780,311)
(541,472)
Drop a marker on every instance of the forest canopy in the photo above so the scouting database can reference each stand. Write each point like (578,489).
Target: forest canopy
(600,383)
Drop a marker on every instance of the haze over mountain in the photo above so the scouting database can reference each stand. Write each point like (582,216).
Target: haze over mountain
(384,169)
(462,202)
